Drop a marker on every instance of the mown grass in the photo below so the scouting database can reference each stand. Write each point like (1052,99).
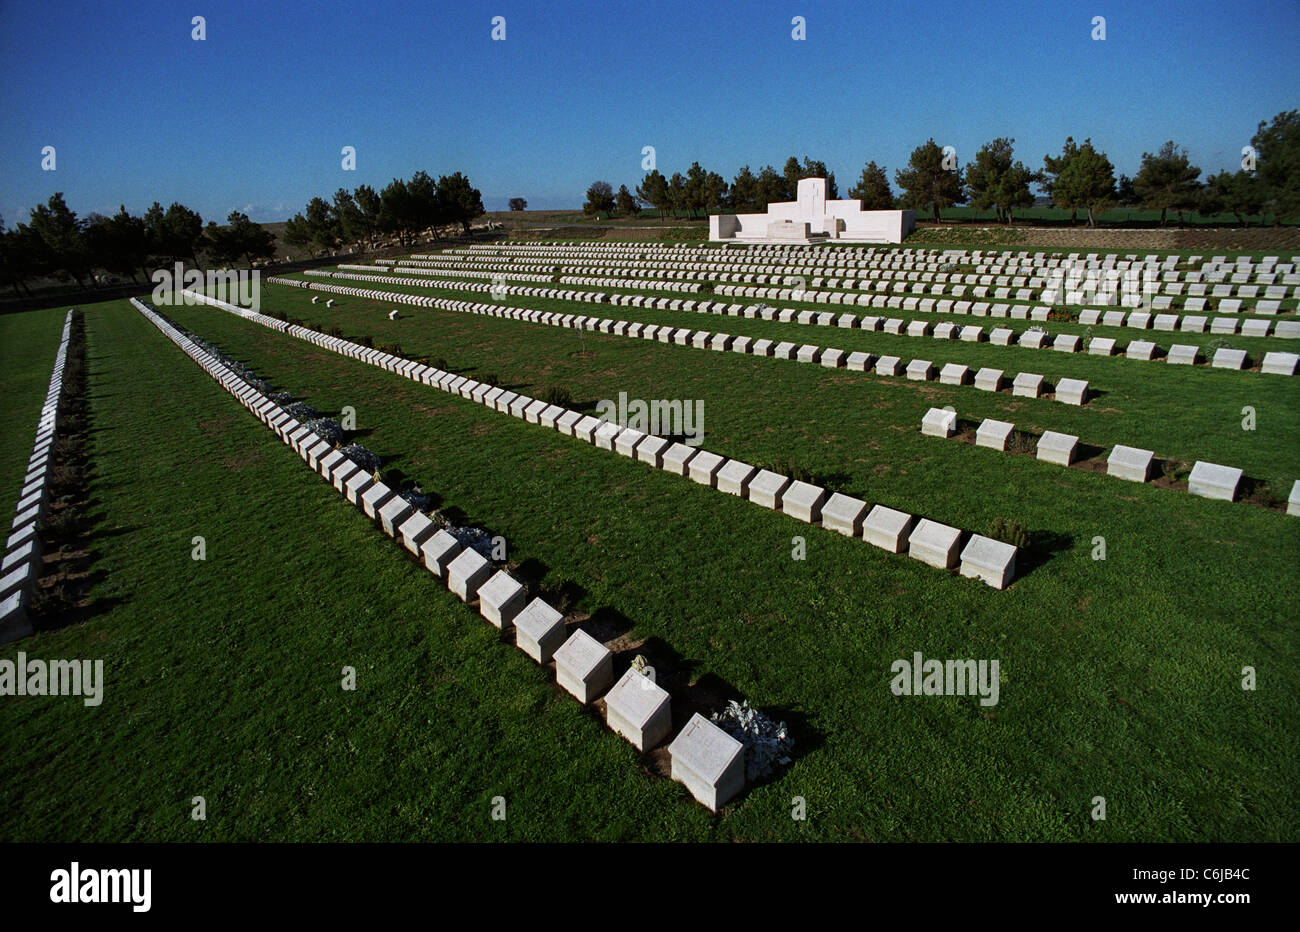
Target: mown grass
(1129,667)
(223,677)
(27,360)
(1185,413)
(1121,677)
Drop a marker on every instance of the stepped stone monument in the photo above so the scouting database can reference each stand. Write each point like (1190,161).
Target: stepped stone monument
(813,219)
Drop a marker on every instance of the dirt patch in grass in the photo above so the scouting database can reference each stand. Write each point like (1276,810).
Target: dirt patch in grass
(239,462)
(1095,464)
(215,426)
(930,392)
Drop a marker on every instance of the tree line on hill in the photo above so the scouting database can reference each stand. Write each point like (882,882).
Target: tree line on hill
(403,209)
(700,192)
(1081,178)
(56,243)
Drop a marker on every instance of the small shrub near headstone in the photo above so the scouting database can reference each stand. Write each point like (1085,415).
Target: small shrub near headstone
(474,538)
(492,379)
(361,456)
(1020,442)
(1009,532)
(326,428)
(62,523)
(1264,495)
(366,340)
(52,600)
(301,411)
(68,447)
(392,349)
(63,478)
(439,363)
(791,470)
(767,743)
(1174,470)
(416,497)
(555,395)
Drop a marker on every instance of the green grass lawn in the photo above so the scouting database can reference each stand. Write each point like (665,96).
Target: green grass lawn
(223,677)
(1121,678)
(1187,413)
(27,360)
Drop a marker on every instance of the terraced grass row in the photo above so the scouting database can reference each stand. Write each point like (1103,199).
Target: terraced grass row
(1183,414)
(223,676)
(1120,673)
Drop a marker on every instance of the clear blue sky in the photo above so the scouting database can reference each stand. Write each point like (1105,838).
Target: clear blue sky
(255,116)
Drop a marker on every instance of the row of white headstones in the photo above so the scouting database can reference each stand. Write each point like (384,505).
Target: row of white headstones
(893,257)
(1024,384)
(22,553)
(982,558)
(1144,279)
(1208,480)
(1279,363)
(1082,289)
(708,761)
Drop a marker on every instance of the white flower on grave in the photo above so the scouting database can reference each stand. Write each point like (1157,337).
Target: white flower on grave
(640,664)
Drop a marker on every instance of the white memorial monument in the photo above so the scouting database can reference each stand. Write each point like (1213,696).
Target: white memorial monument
(813,219)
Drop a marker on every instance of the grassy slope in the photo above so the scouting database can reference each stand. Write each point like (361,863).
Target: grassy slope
(1121,676)
(1182,412)
(223,676)
(28,343)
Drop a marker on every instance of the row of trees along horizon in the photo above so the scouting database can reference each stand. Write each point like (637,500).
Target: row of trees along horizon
(56,243)
(1081,178)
